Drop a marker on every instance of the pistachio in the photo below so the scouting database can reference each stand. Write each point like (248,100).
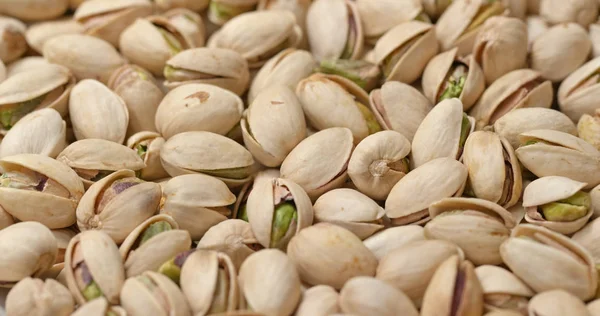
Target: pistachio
(363,73)
(148,146)
(172,268)
(34,296)
(14,44)
(556,302)
(25,63)
(387,240)
(152,293)
(379,16)
(365,295)
(583,12)
(577,92)
(502,289)
(318,300)
(40,132)
(194,5)
(221,11)
(34,10)
(99,306)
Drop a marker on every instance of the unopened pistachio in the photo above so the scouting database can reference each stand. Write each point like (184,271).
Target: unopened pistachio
(38,34)
(14,44)
(34,296)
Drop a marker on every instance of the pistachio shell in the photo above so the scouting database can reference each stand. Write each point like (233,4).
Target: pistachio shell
(25,63)
(379,16)
(34,10)
(298,7)
(221,11)
(161,296)
(594,307)
(150,144)
(99,307)
(555,303)
(392,238)
(37,297)
(367,295)
(194,5)
(5,219)
(14,44)
(319,300)
(578,91)
(583,12)
(502,289)
(40,132)
(587,237)
(536,26)
(39,33)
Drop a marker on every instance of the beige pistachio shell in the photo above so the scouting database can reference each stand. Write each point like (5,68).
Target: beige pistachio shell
(101,256)
(399,107)
(366,295)
(572,267)
(194,5)
(536,26)
(320,257)
(594,32)
(221,11)
(319,300)
(400,269)
(86,56)
(555,303)
(33,255)
(156,250)
(595,196)
(588,129)
(265,273)
(314,170)
(37,297)
(588,238)
(39,33)
(99,307)
(502,289)
(379,16)
(583,12)
(517,89)
(14,44)
(163,297)
(594,307)
(40,132)
(273,125)
(435,8)
(148,146)
(548,51)
(549,157)
(5,219)
(577,93)
(299,8)
(25,63)
(386,241)
(34,10)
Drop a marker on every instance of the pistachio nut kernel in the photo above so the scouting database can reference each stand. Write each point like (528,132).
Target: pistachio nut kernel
(365,74)
(25,179)
(10,114)
(567,210)
(220,12)
(285,217)
(151,231)
(243,212)
(116,188)
(172,268)
(465,130)
(453,85)
(92,175)
(83,277)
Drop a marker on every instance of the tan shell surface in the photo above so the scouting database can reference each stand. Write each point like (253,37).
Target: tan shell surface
(319,300)
(454,21)
(550,189)
(583,12)
(37,297)
(100,154)
(233,237)
(40,132)
(385,241)
(138,299)
(366,295)
(574,100)
(39,33)
(497,280)
(381,15)
(25,86)
(556,302)
(588,237)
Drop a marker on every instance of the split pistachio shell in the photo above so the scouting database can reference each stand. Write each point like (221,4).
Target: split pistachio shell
(37,297)
(370,296)
(258,35)
(148,146)
(194,5)
(572,267)
(198,107)
(380,16)
(152,243)
(224,68)
(5,219)
(273,125)
(588,237)
(522,120)
(209,283)
(588,129)
(557,203)
(399,107)
(152,293)
(14,44)
(453,290)
(314,170)
(328,254)
(196,202)
(94,267)
(63,237)
(547,151)
(578,92)
(97,112)
(86,56)
(99,307)
(548,51)
(516,8)
(404,51)
(33,255)
(409,200)
(319,300)
(34,10)
(477,226)
(40,132)
(497,37)
(25,63)
(410,276)
(203,152)
(555,303)
(38,34)
(377,163)
(38,188)
(516,89)
(221,11)
(502,289)
(298,7)
(334,29)
(448,75)
(583,12)
(392,238)
(141,94)
(435,8)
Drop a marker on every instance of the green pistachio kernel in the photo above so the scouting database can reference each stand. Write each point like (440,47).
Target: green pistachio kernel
(171,270)
(169,71)
(372,123)
(243,213)
(363,73)
(10,116)
(174,44)
(285,215)
(153,230)
(141,150)
(454,89)
(487,10)
(465,128)
(226,12)
(233,173)
(92,291)
(569,209)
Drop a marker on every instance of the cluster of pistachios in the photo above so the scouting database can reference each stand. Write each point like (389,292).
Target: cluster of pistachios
(300,157)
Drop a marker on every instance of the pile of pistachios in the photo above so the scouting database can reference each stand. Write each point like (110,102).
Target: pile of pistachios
(300,157)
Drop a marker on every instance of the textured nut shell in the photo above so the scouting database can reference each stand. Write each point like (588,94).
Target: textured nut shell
(453,23)
(187,23)
(14,44)
(100,154)
(536,26)
(392,238)
(231,237)
(195,5)
(366,295)
(154,169)
(497,280)
(588,237)
(594,307)
(319,300)
(44,10)
(555,303)
(583,12)
(36,297)
(575,101)
(40,132)
(98,307)
(5,219)
(38,34)
(137,299)
(381,15)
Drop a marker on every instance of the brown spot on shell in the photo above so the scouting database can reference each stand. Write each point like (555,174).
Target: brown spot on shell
(201,96)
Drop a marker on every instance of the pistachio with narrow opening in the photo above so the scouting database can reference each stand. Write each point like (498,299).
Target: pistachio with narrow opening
(578,92)
(387,240)
(363,73)
(379,16)
(221,11)
(148,146)
(502,290)
(152,293)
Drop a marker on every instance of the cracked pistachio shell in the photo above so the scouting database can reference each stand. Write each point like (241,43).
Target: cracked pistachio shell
(328,254)
(498,36)
(86,56)
(5,219)
(409,46)
(502,289)
(440,133)
(148,146)
(13,44)
(350,209)
(379,16)
(370,296)
(378,162)
(588,129)
(536,26)
(194,5)
(521,88)
(399,107)
(99,307)
(40,132)
(221,11)
(298,7)
(555,303)
(579,91)
(550,50)
(25,63)
(319,300)
(317,171)
(387,240)
(553,189)
(198,107)
(97,112)
(152,293)
(89,157)
(106,19)
(224,68)
(138,88)
(287,68)
(273,125)
(334,29)
(39,188)
(33,254)
(409,200)
(266,272)
(454,290)
(34,10)
(97,252)
(589,238)
(522,120)
(242,196)
(583,12)
(258,35)
(197,202)
(119,212)
(233,237)
(435,8)
(157,250)
(409,268)
(63,237)
(203,152)
(567,265)
(477,226)
(262,204)
(37,297)
(494,170)
(437,74)
(38,34)
(556,152)
(209,282)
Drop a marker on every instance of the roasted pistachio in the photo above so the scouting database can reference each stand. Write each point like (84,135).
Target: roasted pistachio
(40,132)
(37,297)
(221,11)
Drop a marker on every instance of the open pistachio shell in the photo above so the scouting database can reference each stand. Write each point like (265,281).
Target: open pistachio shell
(379,16)
(536,26)
(242,196)
(14,44)
(583,12)
(502,289)
(578,92)
(221,11)
(99,307)
(194,5)
(152,293)
(319,300)
(34,10)
(25,63)
(557,302)
(387,240)
(588,237)
(588,129)
(37,297)
(148,146)
(366,295)
(38,34)
(5,219)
